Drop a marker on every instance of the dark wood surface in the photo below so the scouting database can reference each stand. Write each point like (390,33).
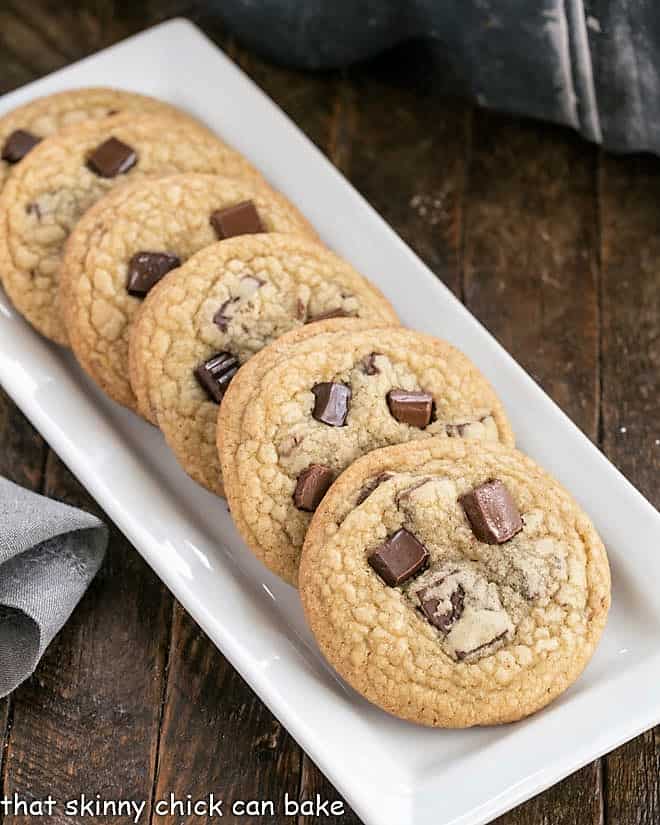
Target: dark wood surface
(553,245)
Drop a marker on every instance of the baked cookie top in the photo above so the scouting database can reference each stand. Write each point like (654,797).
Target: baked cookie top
(216,311)
(454,583)
(23,128)
(135,235)
(67,173)
(296,417)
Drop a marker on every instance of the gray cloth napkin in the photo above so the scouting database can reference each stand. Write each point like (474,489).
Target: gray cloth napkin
(590,64)
(49,554)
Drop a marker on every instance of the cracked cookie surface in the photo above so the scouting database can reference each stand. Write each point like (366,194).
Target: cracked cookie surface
(67,173)
(170,215)
(43,117)
(231,298)
(294,419)
(484,633)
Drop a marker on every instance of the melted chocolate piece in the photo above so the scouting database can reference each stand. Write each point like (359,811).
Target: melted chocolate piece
(403,495)
(462,654)
(331,313)
(456,430)
(18,144)
(369,364)
(429,605)
(331,404)
(112,158)
(34,209)
(221,319)
(242,219)
(492,512)
(400,558)
(145,269)
(459,430)
(411,407)
(371,485)
(215,374)
(311,486)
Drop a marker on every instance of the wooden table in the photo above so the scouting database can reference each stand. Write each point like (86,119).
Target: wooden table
(552,244)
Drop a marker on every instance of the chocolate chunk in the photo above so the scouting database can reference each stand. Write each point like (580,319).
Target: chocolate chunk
(215,374)
(404,495)
(112,158)
(492,512)
(311,486)
(18,144)
(455,430)
(369,364)
(331,404)
(371,485)
(400,558)
(222,317)
(445,619)
(242,219)
(145,269)
(331,313)
(414,407)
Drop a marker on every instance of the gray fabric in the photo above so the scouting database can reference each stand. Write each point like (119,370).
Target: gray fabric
(593,65)
(49,554)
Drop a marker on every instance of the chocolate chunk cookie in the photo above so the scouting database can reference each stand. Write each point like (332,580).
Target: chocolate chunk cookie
(454,583)
(133,237)
(67,173)
(322,403)
(23,128)
(216,311)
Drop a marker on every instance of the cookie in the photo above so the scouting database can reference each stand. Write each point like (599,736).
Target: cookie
(23,128)
(135,235)
(454,583)
(65,174)
(293,420)
(216,311)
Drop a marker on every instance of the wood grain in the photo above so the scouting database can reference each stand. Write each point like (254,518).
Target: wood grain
(28,45)
(630,251)
(88,721)
(630,194)
(217,736)
(22,450)
(530,258)
(311,105)
(531,255)
(409,154)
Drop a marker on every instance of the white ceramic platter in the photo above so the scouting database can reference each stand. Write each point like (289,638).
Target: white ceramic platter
(391,772)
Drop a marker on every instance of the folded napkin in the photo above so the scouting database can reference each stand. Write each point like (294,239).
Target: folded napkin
(591,65)
(49,554)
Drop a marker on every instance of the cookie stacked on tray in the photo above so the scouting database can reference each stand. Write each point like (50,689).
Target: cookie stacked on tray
(444,575)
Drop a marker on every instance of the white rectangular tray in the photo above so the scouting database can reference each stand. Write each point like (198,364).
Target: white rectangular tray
(391,772)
